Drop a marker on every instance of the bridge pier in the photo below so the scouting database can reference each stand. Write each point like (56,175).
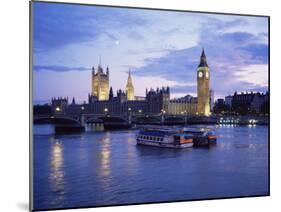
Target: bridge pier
(82,120)
(162,119)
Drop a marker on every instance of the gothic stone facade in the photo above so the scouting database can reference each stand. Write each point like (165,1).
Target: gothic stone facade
(203,87)
(102,100)
(100,83)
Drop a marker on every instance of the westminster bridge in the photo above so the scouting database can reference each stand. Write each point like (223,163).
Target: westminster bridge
(90,118)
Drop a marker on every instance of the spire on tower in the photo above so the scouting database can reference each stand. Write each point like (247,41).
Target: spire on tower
(73,101)
(203,53)
(203,60)
(129,81)
(107,71)
(130,88)
(100,70)
(111,93)
(99,60)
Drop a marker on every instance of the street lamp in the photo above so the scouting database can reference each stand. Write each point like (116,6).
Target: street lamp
(140,111)
(162,116)
(82,108)
(105,110)
(185,116)
(58,109)
(129,115)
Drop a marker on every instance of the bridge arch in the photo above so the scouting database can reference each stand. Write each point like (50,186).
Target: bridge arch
(56,120)
(112,119)
(148,119)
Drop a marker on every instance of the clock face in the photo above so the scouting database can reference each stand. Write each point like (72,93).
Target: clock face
(200,74)
(207,75)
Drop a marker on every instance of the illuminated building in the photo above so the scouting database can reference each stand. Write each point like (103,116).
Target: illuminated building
(203,86)
(130,88)
(154,102)
(100,83)
(183,106)
(59,104)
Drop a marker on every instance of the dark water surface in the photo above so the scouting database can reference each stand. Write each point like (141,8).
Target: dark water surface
(104,168)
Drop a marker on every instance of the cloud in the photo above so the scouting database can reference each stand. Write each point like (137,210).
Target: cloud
(258,52)
(258,75)
(228,54)
(159,49)
(184,89)
(237,37)
(59,68)
(172,31)
(57,25)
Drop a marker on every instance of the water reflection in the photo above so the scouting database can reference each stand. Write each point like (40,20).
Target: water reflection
(57,175)
(94,127)
(130,151)
(104,168)
(226,125)
(109,168)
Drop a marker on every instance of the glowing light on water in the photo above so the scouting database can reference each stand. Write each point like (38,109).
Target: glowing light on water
(57,175)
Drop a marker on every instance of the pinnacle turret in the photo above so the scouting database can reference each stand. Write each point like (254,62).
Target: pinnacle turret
(130,88)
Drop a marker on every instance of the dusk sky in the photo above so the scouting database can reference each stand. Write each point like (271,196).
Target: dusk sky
(160,48)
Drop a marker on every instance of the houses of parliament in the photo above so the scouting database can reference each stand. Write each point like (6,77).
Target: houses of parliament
(102,98)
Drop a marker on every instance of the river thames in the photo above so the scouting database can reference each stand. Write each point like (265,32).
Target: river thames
(98,168)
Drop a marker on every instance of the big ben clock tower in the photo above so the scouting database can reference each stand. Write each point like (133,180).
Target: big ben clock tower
(203,87)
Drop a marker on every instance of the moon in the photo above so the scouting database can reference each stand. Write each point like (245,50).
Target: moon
(117,42)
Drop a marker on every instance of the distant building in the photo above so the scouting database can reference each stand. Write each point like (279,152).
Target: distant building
(139,97)
(101,100)
(153,102)
(260,102)
(130,88)
(220,106)
(203,86)
(100,83)
(59,105)
(183,106)
(228,101)
(249,102)
(212,100)
(220,101)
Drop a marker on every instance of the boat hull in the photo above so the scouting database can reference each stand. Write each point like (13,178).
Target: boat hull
(199,142)
(165,145)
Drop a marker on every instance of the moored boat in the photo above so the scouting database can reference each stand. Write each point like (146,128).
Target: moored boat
(161,137)
(201,136)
